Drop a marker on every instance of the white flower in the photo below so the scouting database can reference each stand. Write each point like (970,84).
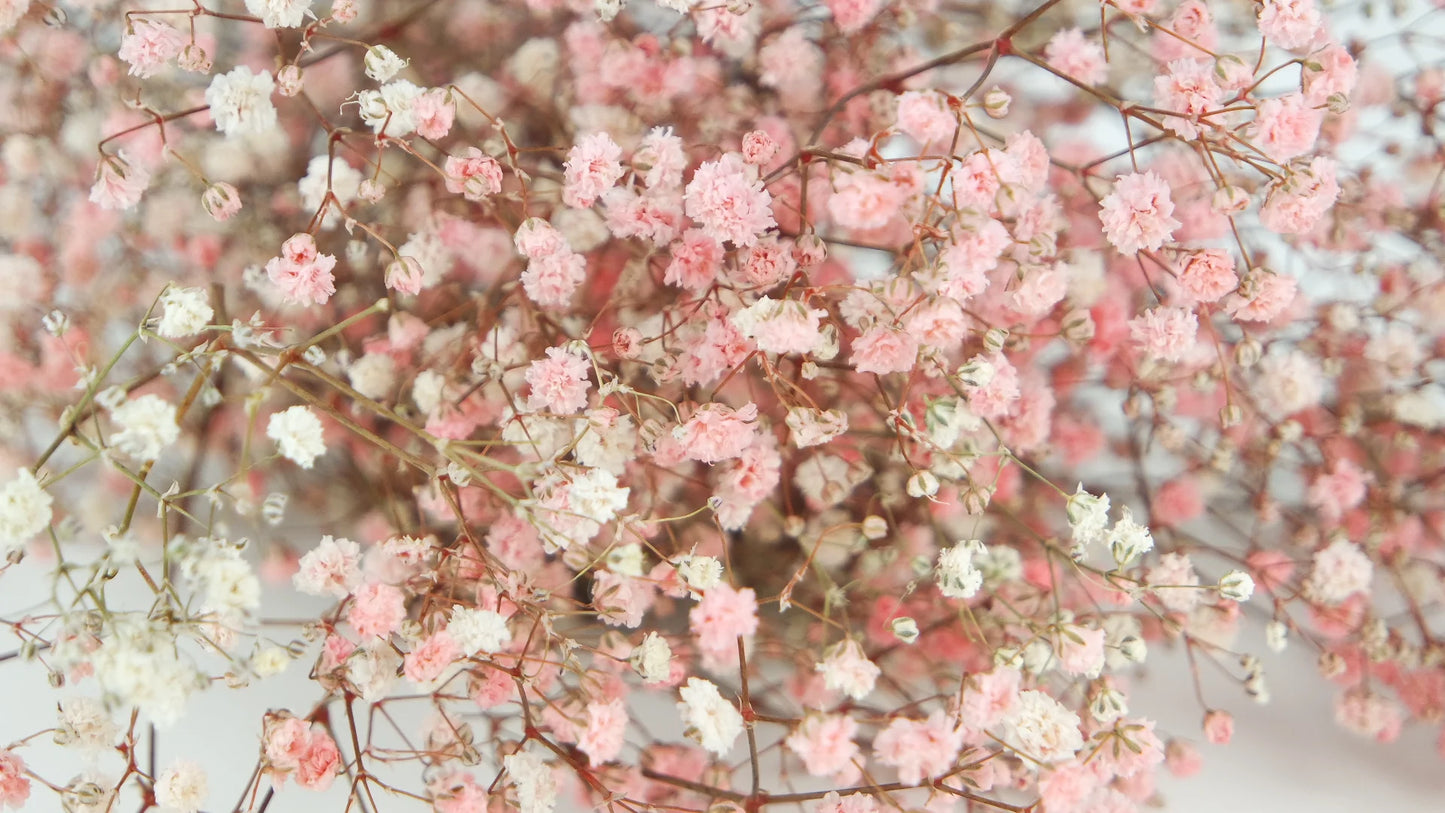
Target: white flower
(1088,515)
(1128,539)
(241,102)
(1340,571)
(373,375)
(846,669)
(231,587)
(390,108)
(597,496)
(182,787)
(372,669)
(957,575)
(344,180)
(279,13)
(382,63)
(652,659)
(330,568)
(297,433)
(699,572)
(185,311)
(626,560)
(270,661)
(24,511)
(533,779)
(84,723)
(147,425)
(476,630)
(1040,728)
(711,720)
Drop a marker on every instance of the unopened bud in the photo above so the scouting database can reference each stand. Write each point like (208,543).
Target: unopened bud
(994,339)
(922,484)
(905,629)
(996,102)
(289,81)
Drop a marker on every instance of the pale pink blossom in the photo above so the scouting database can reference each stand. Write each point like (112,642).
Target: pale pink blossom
(559,382)
(14,784)
(1290,23)
(716,433)
(883,350)
(825,743)
(864,200)
(119,184)
(1337,491)
(377,609)
(1188,88)
(1082,59)
(303,274)
(728,203)
(1287,126)
(593,165)
(1296,204)
(551,280)
(1167,334)
(333,568)
(148,45)
(1208,275)
(696,259)
(852,15)
(601,738)
(1137,215)
(434,113)
(1263,297)
(474,176)
(924,117)
(722,616)
(919,749)
(429,659)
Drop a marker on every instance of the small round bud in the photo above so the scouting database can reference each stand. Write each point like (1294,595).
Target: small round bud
(1231,200)
(288,81)
(905,629)
(994,339)
(996,102)
(1236,585)
(194,58)
(922,484)
(221,201)
(404,275)
(382,63)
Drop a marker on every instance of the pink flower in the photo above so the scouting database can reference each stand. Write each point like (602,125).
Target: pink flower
(14,784)
(696,259)
(550,281)
(431,658)
(825,743)
(333,567)
(286,742)
(435,113)
(715,432)
(1289,23)
(1343,488)
(149,45)
(559,382)
(1081,650)
(1076,57)
(852,15)
(727,202)
(759,148)
(1264,296)
(786,326)
(221,201)
(766,263)
(1137,214)
(536,238)
(1190,30)
(722,616)
(602,737)
(1327,72)
(303,275)
(474,176)
(864,200)
(1296,204)
(621,601)
(1165,333)
(1218,727)
(1042,288)
(593,165)
(319,763)
(919,749)
(377,609)
(882,350)
(924,117)
(459,793)
(1189,89)
(1286,127)
(975,182)
(1207,275)
(118,183)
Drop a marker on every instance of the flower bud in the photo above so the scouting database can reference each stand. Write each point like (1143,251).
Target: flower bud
(994,339)
(976,372)
(1275,636)
(371,190)
(922,484)
(1231,200)
(288,81)
(996,102)
(221,201)
(905,629)
(875,527)
(404,275)
(1236,585)
(1108,705)
(1248,352)
(1134,649)
(194,58)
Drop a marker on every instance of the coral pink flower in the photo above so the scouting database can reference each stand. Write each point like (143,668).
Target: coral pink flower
(286,743)
(377,609)
(14,784)
(696,259)
(319,763)
(1137,214)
